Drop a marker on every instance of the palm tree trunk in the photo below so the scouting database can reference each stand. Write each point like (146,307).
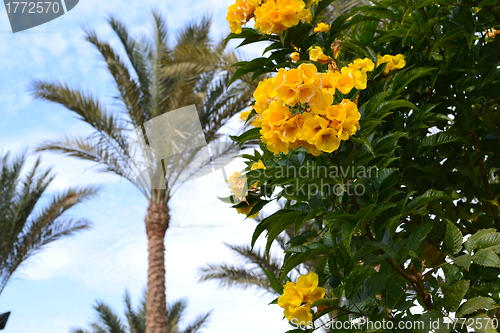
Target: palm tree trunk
(156,221)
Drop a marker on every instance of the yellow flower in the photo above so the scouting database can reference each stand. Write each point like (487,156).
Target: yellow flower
(277,113)
(239,14)
(287,94)
(328,82)
(359,77)
(344,118)
(275,144)
(275,16)
(343,82)
(238,185)
(392,62)
(311,127)
(290,297)
(295,56)
(294,296)
(365,64)
(307,283)
(292,128)
(305,92)
(320,101)
(316,294)
(399,61)
(492,32)
(309,72)
(244,115)
(258,165)
(322,27)
(301,314)
(245,210)
(326,140)
(293,77)
(316,54)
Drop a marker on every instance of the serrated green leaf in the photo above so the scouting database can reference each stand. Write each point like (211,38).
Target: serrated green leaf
(482,323)
(475,304)
(472,243)
(463,261)
(488,240)
(453,239)
(424,198)
(419,234)
(455,294)
(486,258)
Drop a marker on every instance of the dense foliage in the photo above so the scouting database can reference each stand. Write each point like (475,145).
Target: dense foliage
(400,219)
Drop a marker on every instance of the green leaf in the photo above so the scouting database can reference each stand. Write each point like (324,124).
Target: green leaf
(424,198)
(463,261)
(381,176)
(411,75)
(473,241)
(428,319)
(489,240)
(434,140)
(453,239)
(475,304)
(348,229)
(419,234)
(277,227)
(264,224)
(482,323)
(486,258)
(252,134)
(365,142)
(454,295)
(274,281)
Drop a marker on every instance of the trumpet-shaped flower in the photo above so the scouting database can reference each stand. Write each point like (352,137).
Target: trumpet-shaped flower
(316,54)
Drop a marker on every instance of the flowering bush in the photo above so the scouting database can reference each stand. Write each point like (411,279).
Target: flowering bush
(379,131)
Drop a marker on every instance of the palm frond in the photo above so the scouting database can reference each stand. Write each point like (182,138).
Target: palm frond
(27,227)
(136,52)
(135,322)
(93,149)
(198,324)
(233,276)
(129,89)
(109,322)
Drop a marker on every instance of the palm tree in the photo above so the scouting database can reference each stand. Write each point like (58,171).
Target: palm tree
(340,7)
(110,322)
(248,272)
(152,79)
(26,226)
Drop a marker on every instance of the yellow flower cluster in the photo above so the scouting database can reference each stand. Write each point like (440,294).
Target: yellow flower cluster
(306,291)
(294,108)
(393,62)
(240,13)
(271,16)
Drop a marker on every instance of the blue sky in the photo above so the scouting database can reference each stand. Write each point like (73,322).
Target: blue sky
(55,290)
